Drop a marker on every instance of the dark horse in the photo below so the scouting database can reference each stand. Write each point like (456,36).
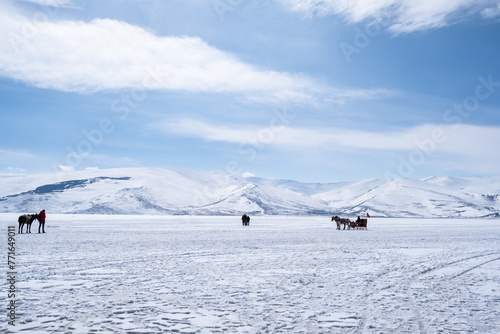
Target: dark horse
(245,220)
(27,219)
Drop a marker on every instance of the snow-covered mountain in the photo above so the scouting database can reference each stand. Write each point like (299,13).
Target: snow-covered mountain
(166,191)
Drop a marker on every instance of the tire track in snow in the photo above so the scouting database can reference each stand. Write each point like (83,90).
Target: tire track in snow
(449,277)
(405,284)
(475,267)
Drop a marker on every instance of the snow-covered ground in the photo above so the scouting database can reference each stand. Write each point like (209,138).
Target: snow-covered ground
(161,274)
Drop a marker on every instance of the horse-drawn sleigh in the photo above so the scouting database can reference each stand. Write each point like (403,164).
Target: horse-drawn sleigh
(358,224)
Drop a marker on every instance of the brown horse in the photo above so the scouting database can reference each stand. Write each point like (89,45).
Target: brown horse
(26,219)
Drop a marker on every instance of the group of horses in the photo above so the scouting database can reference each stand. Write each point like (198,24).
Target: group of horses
(358,224)
(27,220)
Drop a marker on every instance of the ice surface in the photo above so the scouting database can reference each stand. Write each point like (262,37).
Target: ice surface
(161,274)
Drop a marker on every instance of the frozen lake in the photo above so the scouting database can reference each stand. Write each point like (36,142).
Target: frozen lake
(161,274)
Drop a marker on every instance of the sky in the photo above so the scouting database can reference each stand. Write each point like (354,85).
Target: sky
(309,90)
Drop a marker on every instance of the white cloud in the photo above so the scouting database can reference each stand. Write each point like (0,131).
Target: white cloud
(491,12)
(107,160)
(53,3)
(405,15)
(12,155)
(16,170)
(21,160)
(65,168)
(199,129)
(461,140)
(106,54)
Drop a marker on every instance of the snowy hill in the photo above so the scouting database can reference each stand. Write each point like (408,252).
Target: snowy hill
(166,191)
(149,191)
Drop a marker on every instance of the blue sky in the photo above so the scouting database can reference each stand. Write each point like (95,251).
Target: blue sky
(316,90)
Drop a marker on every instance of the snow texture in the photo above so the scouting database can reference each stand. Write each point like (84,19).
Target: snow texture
(166,191)
(193,274)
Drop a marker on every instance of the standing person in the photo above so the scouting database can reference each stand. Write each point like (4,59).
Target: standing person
(42,221)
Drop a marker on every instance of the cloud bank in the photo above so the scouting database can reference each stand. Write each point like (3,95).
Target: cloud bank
(106,54)
(464,140)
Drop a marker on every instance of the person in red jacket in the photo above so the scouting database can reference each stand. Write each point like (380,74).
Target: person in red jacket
(42,221)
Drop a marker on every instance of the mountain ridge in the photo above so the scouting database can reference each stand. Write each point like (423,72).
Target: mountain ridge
(177,192)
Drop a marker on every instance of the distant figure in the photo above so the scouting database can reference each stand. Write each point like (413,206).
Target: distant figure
(245,220)
(42,221)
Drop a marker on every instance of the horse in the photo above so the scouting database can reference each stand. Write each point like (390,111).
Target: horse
(337,220)
(341,221)
(26,219)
